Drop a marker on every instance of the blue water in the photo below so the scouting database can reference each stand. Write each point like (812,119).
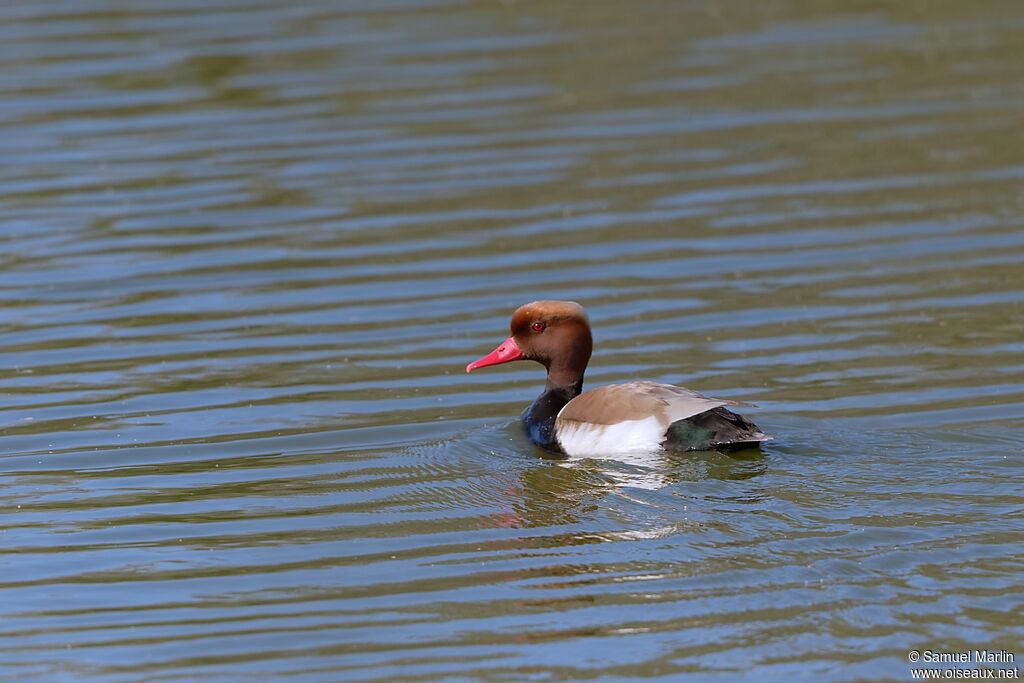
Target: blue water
(248,248)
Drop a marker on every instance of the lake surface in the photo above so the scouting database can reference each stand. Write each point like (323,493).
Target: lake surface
(248,248)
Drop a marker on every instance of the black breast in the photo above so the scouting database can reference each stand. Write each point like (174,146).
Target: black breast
(539,418)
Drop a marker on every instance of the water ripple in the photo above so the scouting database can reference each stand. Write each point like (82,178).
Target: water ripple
(250,247)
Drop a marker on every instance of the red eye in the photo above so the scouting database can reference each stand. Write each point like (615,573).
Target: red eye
(537,327)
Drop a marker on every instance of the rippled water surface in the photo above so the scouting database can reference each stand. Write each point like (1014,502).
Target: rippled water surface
(249,246)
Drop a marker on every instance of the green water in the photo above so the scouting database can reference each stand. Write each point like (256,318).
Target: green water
(248,247)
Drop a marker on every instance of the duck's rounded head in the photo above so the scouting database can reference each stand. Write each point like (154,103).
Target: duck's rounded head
(556,334)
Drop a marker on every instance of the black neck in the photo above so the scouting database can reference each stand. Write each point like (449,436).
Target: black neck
(539,418)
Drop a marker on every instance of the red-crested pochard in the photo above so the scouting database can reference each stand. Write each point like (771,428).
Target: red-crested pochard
(614,419)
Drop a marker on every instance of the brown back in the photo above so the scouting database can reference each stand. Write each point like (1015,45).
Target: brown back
(616,403)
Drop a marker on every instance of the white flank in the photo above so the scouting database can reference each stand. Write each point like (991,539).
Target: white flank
(585,439)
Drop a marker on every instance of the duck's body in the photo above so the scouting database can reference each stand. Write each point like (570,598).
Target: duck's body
(636,417)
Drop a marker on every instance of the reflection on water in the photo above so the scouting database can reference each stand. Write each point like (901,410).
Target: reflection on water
(248,248)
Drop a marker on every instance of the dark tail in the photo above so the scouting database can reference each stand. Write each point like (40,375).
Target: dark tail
(715,429)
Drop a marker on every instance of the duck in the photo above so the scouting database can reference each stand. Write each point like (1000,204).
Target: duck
(615,419)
